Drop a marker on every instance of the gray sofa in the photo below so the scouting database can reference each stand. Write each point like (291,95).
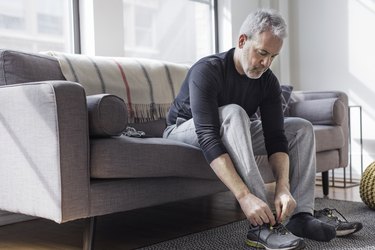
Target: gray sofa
(63,155)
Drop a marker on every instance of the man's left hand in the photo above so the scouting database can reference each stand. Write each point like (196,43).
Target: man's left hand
(284,202)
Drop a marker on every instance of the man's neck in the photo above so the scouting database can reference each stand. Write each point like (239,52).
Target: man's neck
(237,61)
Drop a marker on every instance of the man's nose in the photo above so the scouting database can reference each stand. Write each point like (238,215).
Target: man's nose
(266,61)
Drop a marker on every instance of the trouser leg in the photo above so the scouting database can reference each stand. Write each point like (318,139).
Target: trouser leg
(236,135)
(302,157)
(302,160)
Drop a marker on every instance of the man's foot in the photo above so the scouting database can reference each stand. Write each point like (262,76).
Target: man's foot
(306,226)
(343,227)
(273,237)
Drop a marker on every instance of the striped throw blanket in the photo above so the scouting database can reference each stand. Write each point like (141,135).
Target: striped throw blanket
(147,86)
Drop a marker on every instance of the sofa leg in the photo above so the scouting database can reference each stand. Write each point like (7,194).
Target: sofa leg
(325,182)
(89,233)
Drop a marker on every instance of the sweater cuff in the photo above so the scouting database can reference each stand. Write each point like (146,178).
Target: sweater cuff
(214,152)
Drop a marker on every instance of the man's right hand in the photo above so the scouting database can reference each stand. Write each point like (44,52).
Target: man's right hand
(256,210)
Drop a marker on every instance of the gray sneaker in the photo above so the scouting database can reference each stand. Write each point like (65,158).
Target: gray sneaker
(273,237)
(343,226)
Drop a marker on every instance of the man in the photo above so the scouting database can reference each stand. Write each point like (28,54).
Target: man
(212,111)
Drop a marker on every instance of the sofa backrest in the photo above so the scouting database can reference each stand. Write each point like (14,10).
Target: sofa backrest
(21,67)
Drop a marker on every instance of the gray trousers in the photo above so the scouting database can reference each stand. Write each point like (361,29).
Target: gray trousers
(244,140)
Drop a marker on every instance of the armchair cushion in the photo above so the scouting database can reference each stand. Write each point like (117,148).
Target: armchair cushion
(107,115)
(327,111)
(328,137)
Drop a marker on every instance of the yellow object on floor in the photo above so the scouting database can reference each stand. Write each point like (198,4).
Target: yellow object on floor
(367,186)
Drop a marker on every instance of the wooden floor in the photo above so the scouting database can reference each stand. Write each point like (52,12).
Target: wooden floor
(139,228)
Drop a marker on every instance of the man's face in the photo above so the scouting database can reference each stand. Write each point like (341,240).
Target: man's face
(258,53)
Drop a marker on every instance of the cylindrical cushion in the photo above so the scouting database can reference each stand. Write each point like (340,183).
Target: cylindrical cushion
(107,115)
(329,111)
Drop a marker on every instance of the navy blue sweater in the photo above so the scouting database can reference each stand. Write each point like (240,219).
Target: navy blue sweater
(213,82)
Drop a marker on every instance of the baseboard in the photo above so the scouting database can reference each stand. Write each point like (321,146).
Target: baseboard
(9,218)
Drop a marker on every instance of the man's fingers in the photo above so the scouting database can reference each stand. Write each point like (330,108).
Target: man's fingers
(283,214)
(281,211)
(286,210)
(278,212)
(271,217)
(263,217)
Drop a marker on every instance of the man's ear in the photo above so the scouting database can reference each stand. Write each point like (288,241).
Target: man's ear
(241,40)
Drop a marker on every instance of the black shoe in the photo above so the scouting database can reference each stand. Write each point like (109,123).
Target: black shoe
(273,237)
(306,226)
(343,227)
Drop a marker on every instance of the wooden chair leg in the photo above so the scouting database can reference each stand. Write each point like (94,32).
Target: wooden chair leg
(325,183)
(89,233)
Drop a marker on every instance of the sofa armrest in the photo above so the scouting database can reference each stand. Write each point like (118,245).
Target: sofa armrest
(333,105)
(328,111)
(44,150)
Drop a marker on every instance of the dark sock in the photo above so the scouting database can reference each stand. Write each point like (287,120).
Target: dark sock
(306,226)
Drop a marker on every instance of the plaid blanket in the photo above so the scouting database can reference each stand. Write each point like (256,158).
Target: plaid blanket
(147,86)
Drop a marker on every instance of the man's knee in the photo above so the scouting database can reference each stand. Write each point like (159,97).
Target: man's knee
(232,110)
(296,124)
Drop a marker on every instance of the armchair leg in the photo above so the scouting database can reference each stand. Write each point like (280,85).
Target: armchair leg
(325,183)
(89,233)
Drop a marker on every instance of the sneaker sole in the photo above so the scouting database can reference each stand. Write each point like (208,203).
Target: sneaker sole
(259,245)
(341,233)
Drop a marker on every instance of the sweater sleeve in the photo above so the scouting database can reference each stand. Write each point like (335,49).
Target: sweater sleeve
(273,118)
(204,85)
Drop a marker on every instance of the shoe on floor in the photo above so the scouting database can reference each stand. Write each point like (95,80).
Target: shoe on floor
(305,225)
(343,227)
(273,237)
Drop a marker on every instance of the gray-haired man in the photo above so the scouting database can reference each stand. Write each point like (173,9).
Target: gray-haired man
(212,112)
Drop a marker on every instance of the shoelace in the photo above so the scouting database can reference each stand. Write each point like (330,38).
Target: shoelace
(277,228)
(329,213)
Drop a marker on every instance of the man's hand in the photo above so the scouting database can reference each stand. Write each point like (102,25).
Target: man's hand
(256,210)
(284,202)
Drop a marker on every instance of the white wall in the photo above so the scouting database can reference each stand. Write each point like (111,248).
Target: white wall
(332,48)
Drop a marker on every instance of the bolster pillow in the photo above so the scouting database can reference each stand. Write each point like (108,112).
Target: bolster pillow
(329,111)
(107,115)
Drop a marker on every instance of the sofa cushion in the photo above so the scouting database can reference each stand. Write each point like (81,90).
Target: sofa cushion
(129,157)
(107,115)
(286,92)
(328,137)
(20,67)
(328,111)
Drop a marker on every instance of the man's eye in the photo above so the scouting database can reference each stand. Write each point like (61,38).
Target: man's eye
(262,53)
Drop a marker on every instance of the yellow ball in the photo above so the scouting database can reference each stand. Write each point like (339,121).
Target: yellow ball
(367,186)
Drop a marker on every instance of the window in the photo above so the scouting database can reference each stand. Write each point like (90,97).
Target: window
(172,30)
(36,25)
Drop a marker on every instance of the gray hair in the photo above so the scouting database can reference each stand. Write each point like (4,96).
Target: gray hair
(264,20)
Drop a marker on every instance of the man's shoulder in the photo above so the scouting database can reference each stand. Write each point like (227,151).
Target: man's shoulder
(269,78)
(218,60)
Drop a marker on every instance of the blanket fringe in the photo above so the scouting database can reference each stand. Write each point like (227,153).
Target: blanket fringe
(140,113)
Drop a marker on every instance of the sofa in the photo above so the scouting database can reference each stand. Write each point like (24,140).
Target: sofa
(74,147)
